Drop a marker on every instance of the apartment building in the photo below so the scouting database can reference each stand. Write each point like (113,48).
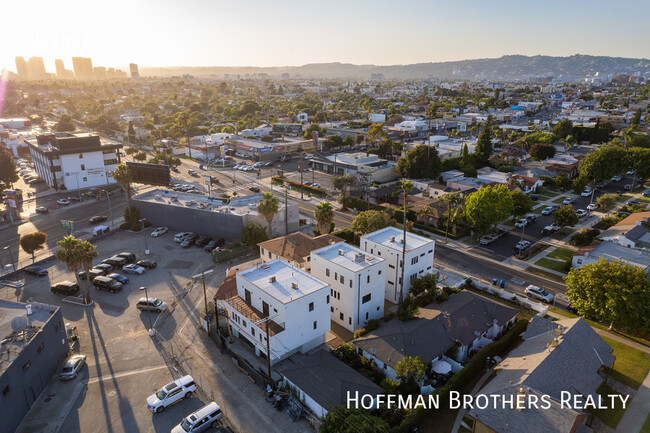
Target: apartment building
(388,244)
(357,281)
(295,304)
(295,248)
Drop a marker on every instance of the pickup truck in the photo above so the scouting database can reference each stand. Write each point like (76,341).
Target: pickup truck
(550,229)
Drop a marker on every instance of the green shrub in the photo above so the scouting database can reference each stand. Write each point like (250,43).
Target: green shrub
(346,234)
(147,224)
(350,202)
(125,226)
(136,227)
(584,237)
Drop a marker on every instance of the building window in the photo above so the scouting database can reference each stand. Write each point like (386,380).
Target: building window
(311,306)
(366,316)
(85,179)
(328,299)
(331,309)
(366,298)
(110,161)
(327,272)
(579,261)
(390,282)
(414,260)
(83,167)
(40,348)
(350,320)
(413,277)
(350,282)
(368,279)
(26,365)
(342,280)
(315,324)
(243,323)
(252,331)
(269,254)
(422,255)
(430,251)
(391,266)
(56,169)
(340,316)
(336,276)
(379,253)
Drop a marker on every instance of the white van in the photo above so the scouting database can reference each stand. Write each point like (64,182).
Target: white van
(201,420)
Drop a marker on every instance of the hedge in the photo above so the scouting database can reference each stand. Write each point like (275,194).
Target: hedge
(348,235)
(434,230)
(318,191)
(358,204)
(411,215)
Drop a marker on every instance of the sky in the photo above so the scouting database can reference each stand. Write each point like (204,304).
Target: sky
(291,33)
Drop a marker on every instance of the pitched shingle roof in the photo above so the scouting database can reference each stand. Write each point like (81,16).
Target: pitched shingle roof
(296,246)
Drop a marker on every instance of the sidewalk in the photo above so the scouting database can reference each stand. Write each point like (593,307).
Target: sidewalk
(637,412)
(459,418)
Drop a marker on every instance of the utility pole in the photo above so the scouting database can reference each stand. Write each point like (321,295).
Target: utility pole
(146,247)
(205,298)
(110,209)
(286,210)
(302,189)
(268,352)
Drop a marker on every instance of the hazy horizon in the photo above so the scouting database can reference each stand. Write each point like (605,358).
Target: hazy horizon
(253,33)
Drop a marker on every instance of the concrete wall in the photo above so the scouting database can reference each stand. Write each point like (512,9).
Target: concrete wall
(23,386)
(213,224)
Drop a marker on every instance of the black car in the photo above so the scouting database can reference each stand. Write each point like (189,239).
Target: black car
(93,273)
(130,257)
(202,241)
(98,218)
(210,246)
(36,270)
(104,267)
(534,197)
(115,261)
(149,264)
(254,188)
(105,283)
(189,241)
(65,288)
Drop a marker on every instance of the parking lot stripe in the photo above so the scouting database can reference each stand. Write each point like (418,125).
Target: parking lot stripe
(124,374)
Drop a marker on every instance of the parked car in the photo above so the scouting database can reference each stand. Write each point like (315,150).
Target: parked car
(646,194)
(100,230)
(97,219)
(567,200)
(133,269)
(42,209)
(174,169)
(308,183)
(146,263)
(109,284)
(193,173)
(538,293)
(119,278)
(115,261)
(487,239)
(617,178)
(65,288)
(550,229)
(624,214)
(522,245)
(77,199)
(171,393)
(534,197)
(36,270)
(571,308)
(255,188)
(201,420)
(93,273)
(592,206)
(104,267)
(547,210)
(587,192)
(180,236)
(189,240)
(202,241)
(159,232)
(521,223)
(581,213)
(63,201)
(531,218)
(130,257)
(628,187)
(630,172)
(315,185)
(151,304)
(72,367)
(210,245)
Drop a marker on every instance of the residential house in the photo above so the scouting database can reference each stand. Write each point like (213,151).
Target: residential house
(282,302)
(566,355)
(611,251)
(527,184)
(388,243)
(367,168)
(490,175)
(632,231)
(295,248)
(323,382)
(466,320)
(357,280)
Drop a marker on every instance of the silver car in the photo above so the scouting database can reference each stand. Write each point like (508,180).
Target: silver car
(151,304)
(72,367)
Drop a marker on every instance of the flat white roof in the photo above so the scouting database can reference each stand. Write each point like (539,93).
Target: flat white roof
(390,237)
(289,284)
(345,255)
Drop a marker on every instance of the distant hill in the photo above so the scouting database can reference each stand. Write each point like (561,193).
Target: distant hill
(514,67)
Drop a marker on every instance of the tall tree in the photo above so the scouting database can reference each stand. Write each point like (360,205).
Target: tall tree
(484,144)
(638,158)
(8,173)
(488,206)
(33,242)
(603,163)
(454,202)
(411,368)
(65,124)
(421,162)
(77,255)
(565,216)
(611,291)
(406,186)
(253,233)
(123,176)
(268,206)
(375,131)
(324,214)
(343,183)
(370,221)
(522,203)
(131,132)
(563,128)
(541,151)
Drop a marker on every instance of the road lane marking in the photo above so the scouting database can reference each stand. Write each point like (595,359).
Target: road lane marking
(124,374)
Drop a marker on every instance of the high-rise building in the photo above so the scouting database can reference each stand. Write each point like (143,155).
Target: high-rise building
(99,73)
(60,69)
(135,75)
(83,68)
(36,68)
(21,68)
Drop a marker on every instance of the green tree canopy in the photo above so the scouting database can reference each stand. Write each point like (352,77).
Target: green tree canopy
(427,284)
(344,420)
(541,151)
(613,292)
(565,216)
(603,163)
(522,203)
(370,221)
(411,368)
(344,182)
(488,206)
(639,159)
(484,144)
(65,124)
(77,255)
(563,128)
(607,200)
(421,162)
(324,214)
(33,242)
(253,233)
(124,177)
(267,207)
(8,173)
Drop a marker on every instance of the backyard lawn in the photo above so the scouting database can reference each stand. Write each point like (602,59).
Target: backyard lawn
(549,194)
(612,416)
(562,254)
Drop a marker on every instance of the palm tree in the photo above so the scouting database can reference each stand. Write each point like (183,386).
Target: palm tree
(427,210)
(77,255)
(405,186)
(629,133)
(453,200)
(184,123)
(324,214)
(123,176)
(268,206)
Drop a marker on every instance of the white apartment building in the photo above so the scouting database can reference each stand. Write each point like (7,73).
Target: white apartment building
(388,243)
(74,161)
(357,281)
(296,305)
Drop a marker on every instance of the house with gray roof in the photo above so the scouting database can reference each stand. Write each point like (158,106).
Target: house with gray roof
(323,382)
(466,320)
(567,355)
(611,251)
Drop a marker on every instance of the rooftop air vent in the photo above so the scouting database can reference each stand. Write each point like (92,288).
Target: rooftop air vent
(272,279)
(359,257)
(392,238)
(294,285)
(341,252)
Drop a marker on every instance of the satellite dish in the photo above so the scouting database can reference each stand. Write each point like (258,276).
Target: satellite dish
(18,324)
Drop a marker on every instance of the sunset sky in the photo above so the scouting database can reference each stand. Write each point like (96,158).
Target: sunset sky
(282,32)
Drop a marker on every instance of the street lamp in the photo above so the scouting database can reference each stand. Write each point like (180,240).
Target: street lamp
(152,331)
(110,209)
(8,248)
(146,247)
